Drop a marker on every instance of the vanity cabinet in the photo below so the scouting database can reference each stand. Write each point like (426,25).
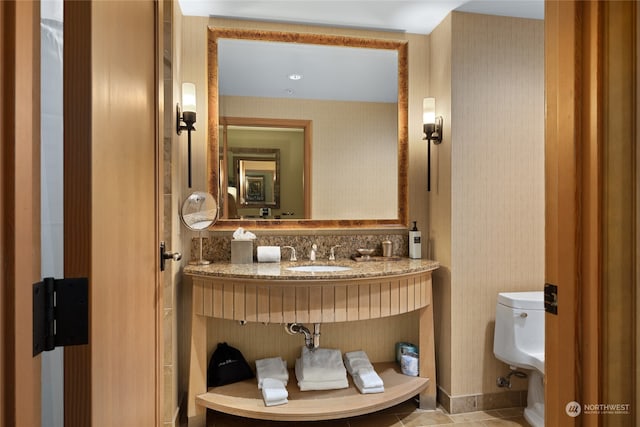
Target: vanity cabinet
(272,294)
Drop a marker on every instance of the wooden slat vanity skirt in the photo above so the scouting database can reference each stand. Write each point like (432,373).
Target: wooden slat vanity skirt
(310,301)
(299,299)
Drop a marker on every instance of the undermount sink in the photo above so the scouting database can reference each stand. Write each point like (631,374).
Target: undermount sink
(318,268)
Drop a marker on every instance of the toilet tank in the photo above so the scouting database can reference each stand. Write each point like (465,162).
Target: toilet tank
(519,330)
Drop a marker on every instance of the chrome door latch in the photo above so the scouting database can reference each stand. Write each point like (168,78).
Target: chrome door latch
(164,255)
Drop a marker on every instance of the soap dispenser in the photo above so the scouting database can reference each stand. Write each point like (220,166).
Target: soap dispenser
(415,242)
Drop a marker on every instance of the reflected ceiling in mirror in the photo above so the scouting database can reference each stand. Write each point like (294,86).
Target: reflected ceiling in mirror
(306,71)
(358,164)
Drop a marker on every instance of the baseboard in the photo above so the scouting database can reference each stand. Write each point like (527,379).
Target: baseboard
(175,420)
(481,402)
(181,413)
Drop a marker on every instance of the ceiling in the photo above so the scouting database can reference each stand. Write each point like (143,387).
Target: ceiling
(411,16)
(263,69)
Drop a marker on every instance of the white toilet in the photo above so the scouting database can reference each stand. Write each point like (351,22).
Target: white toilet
(519,342)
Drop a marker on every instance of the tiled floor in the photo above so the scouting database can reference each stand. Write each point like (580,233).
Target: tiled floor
(403,415)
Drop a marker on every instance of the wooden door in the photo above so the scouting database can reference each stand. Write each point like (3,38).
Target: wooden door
(590,81)
(113,207)
(19,210)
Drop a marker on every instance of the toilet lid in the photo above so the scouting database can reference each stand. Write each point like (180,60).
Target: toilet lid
(524,300)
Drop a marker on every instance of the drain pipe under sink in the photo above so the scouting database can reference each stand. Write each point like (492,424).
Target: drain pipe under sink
(310,341)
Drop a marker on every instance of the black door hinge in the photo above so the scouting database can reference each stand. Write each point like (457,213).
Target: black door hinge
(551,298)
(60,313)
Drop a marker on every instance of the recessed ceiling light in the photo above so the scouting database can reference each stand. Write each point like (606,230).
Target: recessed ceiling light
(289,91)
(295,76)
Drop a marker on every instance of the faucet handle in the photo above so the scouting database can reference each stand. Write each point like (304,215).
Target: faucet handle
(332,254)
(293,253)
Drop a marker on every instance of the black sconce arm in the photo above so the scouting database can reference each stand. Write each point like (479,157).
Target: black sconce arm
(188,118)
(433,133)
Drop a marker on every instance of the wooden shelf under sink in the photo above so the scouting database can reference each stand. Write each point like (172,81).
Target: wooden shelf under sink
(244,399)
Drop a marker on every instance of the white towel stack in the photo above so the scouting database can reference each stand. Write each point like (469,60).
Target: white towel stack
(272,367)
(272,378)
(274,392)
(321,369)
(364,376)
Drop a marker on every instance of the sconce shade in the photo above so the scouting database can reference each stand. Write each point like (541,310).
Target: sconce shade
(428,111)
(187,116)
(432,127)
(188,97)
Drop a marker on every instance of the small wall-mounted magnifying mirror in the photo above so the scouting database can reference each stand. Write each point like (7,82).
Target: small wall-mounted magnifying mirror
(199,212)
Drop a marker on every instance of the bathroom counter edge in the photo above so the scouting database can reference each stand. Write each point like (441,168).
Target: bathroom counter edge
(279,271)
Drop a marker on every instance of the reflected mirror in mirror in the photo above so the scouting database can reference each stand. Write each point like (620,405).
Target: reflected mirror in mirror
(199,212)
(257,182)
(263,168)
(358,160)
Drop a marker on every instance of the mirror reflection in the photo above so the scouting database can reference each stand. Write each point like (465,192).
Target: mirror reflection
(263,168)
(257,181)
(199,212)
(356,165)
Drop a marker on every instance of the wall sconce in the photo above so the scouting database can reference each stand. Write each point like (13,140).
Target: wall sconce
(188,117)
(432,126)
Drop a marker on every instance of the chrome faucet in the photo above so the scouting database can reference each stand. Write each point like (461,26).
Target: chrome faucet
(293,253)
(332,253)
(312,254)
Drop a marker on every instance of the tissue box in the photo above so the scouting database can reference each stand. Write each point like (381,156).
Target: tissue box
(241,251)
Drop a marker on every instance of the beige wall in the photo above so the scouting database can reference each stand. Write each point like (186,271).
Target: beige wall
(490,181)
(439,231)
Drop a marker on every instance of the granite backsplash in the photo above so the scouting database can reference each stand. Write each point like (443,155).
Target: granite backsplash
(218,247)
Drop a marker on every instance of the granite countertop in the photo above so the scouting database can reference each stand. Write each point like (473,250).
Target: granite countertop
(377,266)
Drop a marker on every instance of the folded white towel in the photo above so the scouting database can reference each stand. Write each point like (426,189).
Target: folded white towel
(356,361)
(322,364)
(272,367)
(364,376)
(323,385)
(358,354)
(306,385)
(369,390)
(355,366)
(368,379)
(274,392)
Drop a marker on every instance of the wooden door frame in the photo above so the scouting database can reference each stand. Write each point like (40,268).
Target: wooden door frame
(590,84)
(19,210)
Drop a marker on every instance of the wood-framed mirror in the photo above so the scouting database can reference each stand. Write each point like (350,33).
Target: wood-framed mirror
(360,179)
